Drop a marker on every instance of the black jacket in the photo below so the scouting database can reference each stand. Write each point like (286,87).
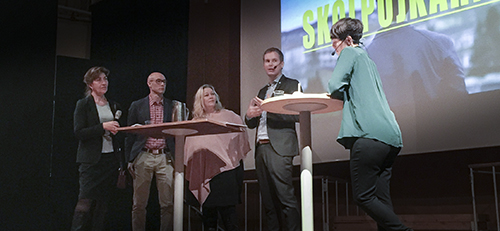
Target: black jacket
(89,131)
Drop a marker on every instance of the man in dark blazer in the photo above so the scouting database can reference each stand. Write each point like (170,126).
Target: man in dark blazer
(276,145)
(149,156)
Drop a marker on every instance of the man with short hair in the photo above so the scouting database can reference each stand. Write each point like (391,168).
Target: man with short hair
(150,156)
(276,145)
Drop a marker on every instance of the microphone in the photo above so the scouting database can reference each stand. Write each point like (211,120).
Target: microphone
(274,68)
(118,114)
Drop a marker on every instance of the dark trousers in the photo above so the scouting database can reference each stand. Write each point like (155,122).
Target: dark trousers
(371,168)
(227,213)
(97,184)
(274,173)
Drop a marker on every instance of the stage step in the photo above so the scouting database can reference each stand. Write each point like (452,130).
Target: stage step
(427,222)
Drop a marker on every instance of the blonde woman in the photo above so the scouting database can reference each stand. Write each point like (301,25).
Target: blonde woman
(214,166)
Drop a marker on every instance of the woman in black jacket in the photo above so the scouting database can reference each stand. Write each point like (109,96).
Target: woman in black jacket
(99,150)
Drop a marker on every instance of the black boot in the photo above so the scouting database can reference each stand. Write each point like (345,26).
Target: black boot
(82,218)
(229,218)
(209,218)
(99,215)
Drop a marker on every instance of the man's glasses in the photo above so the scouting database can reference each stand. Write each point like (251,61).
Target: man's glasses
(160,81)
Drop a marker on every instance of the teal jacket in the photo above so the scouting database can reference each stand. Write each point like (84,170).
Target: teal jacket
(366,113)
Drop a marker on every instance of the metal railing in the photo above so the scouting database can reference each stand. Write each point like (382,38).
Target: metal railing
(486,168)
(326,181)
(197,212)
(341,194)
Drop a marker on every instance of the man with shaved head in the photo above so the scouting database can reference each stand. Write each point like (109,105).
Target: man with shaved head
(150,156)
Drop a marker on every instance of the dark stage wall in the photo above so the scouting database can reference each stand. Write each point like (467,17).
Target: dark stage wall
(39,176)
(131,40)
(135,38)
(27,61)
(214,50)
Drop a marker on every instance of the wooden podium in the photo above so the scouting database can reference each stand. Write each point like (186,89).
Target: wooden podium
(180,130)
(304,104)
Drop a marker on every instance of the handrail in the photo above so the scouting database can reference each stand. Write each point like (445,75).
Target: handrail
(325,182)
(484,165)
(473,169)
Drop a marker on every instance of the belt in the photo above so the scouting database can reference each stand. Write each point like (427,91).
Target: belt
(263,141)
(154,151)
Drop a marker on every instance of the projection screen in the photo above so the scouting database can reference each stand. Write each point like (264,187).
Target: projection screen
(439,62)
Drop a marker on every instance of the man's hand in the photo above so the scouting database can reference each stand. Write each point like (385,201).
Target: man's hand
(131,169)
(254,108)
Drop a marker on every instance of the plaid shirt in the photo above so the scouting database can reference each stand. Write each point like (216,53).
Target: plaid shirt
(156,116)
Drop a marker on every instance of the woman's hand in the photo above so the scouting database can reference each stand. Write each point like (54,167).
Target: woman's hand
(111,126)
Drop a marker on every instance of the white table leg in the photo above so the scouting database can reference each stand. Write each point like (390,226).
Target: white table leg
(306,177)
(179,182)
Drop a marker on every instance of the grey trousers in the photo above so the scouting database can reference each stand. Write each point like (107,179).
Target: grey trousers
(274,173)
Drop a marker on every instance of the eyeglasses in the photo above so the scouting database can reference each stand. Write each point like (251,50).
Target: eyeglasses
(160,81)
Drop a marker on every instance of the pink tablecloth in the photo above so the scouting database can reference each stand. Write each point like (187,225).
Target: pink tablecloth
(208,155)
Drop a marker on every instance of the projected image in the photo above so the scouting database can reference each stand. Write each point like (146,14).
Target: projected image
(438,61)
(465,33)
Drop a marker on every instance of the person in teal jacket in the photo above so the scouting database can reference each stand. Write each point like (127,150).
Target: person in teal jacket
(369,128)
